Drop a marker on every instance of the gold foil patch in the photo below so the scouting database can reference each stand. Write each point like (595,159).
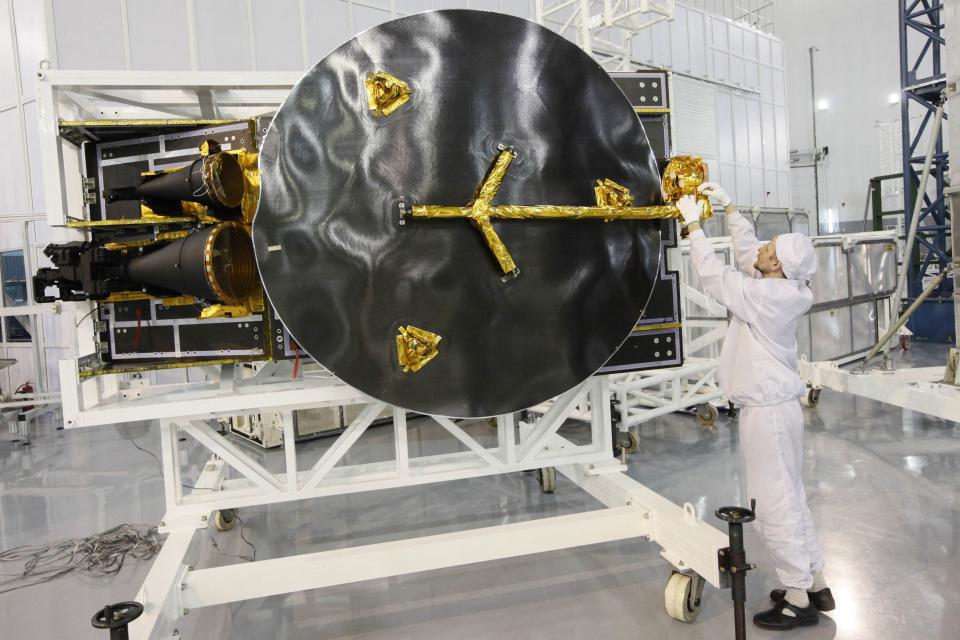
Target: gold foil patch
(416,347)
(385,93)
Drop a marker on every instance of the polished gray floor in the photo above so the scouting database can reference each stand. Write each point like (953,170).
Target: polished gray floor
(883,486)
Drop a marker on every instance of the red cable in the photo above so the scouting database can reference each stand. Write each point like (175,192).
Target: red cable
(296,360)
(136,336)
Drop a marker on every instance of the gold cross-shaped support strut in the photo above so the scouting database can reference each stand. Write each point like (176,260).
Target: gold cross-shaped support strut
(681,177)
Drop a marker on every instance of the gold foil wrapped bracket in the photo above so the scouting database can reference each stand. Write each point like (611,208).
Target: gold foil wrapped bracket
(416,347)
(385,93)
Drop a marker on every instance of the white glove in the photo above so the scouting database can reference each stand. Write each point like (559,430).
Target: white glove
(715,191)
(690,209)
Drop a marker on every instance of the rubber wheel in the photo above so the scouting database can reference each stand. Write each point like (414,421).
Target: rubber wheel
(811,398)
(707,415)
(682,597)
(628,442)
(547,479)
(224,519)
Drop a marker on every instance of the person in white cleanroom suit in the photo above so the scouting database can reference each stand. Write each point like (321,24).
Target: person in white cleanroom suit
(766,292)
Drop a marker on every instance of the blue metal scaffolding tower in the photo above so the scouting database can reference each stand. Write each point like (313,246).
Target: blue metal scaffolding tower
(922,83)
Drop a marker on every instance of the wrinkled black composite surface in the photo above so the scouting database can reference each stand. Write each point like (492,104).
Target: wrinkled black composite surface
(344,275)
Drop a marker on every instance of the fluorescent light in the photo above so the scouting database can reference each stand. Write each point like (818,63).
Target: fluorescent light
(894,98)
(822,104)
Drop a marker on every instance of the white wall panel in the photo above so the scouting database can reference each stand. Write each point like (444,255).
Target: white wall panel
(744,193)
(778,88)
(158,35)
(736,39)
(763,49)
(276,35)
(13,186)
(661,43)
(769,136)
(757,195)
(772,188)
(520,8)
(28,18)
(728,178)
(484,5)
(8,68)
(680,41)
(695,116)
(721,66)
(749,44)
(33,153)
(755,132)
(223,35)
(766,82)
(412,6)
(776,52)
(736,70)
(327,27)
(89,34)
(783,147)
(741,140)
(725,144)
(367,17)
(697,43)
(642,45)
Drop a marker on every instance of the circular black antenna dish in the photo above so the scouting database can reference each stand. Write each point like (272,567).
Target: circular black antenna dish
(346,276)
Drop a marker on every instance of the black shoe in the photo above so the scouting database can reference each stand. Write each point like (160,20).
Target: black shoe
(822,600)
(777,620)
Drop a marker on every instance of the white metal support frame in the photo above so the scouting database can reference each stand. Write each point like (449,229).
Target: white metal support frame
(171,588)
(603,28)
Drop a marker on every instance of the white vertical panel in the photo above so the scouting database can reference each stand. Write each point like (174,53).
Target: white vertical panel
(779,96)
(276,35)
(13,186)
(736,39)
(28,20)
(786,196)
(728,178)
(642,45)
(763,49)
(755,129)
(697,43)
(520,8)
(412,6)
(783,148)
(736,70)
(89,34)
(766,83)
(724,111)
(328,26)
(750,75)
(744,194)
(769,136)
(776,52)
(772,189)
(158,35)
(367,17)
(33,153)
(749,44)
(484,5)
(721,35)
(680,40)
(223,37)
(696,117)
(757,195)
(741,137)
(721,66)
(661,44)
(449,4)
(8,69)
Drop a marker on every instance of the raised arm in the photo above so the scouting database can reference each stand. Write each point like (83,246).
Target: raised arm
(723,283)
(745,243)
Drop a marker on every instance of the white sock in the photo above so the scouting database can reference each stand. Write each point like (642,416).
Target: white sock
(798,598)
(818,582)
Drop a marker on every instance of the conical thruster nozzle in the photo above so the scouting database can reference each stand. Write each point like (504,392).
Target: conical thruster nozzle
(215,181)
(216,264)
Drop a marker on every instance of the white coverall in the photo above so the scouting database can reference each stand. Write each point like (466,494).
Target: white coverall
(758,371)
